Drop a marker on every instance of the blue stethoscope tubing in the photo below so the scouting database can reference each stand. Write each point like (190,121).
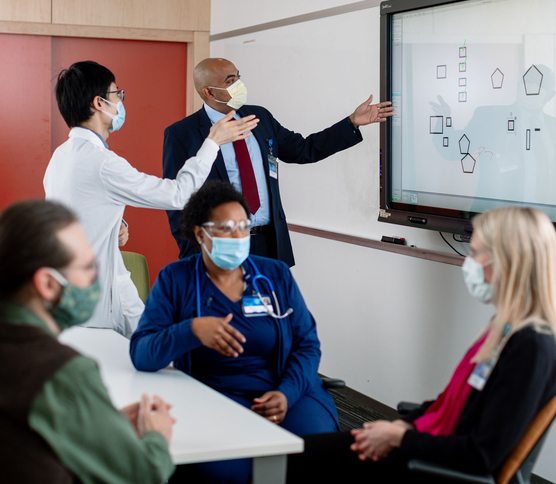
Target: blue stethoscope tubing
(255,286)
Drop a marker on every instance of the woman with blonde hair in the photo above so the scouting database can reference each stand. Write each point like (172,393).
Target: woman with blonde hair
(501,383)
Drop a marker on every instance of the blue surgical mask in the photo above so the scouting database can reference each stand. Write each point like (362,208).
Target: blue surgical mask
(76,304)
(228,252)
(118,119)
(474,277)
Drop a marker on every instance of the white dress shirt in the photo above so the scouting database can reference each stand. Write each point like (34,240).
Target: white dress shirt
(262,216)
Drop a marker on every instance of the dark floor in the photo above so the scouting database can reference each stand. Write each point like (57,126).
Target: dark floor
(354,409)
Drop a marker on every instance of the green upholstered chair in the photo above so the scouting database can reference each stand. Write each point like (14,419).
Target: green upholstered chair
(137,265)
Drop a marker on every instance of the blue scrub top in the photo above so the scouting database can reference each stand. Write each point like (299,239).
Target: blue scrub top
(164,334)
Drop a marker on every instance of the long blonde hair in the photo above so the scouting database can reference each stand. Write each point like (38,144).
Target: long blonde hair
(522,244)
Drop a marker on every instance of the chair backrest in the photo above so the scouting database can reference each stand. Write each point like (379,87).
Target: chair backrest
(137,265)
(521,460)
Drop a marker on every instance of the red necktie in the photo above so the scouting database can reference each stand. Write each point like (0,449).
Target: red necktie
(247,175)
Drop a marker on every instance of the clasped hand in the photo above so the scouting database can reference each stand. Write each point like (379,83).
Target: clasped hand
(272,405)
(218,334)
(377,439)
(147,416)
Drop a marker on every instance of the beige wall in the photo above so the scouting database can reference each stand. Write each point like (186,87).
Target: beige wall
(164,20)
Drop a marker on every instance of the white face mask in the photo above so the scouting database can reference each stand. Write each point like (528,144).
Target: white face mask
(238,91)
(474,277)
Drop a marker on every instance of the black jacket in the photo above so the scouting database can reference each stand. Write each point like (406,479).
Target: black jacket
(494,419)
(183,139)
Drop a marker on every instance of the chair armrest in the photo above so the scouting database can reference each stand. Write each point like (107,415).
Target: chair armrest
(405,407)
(329,383)
(417,465)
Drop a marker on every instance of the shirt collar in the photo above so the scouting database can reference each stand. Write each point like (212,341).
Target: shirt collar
(215,115)
(99,136)
(76,131)
(13,313)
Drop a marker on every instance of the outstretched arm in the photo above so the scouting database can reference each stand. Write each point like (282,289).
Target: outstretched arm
(368,113)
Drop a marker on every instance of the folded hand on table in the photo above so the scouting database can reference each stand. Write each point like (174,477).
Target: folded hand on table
(152,416)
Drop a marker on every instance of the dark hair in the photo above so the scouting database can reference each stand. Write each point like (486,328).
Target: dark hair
(78,86)
(28,241)
(201,204)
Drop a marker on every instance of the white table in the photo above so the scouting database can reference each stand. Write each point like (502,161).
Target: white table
(209,426)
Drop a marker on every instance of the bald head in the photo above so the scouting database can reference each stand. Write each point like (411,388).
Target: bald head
(214,72)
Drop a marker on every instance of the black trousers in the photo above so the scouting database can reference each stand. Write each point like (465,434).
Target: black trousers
(328,459)
(264,244)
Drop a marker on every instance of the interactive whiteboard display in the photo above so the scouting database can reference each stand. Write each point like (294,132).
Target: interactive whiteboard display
(474,127)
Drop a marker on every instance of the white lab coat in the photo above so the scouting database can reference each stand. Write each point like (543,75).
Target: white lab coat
(98,184)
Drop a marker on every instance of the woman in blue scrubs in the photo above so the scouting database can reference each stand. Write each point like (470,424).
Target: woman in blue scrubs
(237,323)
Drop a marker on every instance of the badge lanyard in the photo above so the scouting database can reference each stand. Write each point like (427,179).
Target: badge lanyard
(272,161)
(482,371)
(264,300)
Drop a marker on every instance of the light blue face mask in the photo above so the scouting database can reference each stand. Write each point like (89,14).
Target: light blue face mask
(228,252)
(118,120)
(474,277)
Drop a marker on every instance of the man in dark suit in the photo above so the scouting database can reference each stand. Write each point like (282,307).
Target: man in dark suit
(252,166)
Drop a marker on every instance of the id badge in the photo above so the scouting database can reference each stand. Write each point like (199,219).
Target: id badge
(252,305)
(273,167)
(479,375)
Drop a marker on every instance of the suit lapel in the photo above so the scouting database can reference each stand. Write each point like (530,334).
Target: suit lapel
(204,128)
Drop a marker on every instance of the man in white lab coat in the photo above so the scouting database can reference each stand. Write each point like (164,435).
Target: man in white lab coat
(98,184)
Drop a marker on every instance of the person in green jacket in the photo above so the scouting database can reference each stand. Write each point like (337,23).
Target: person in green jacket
(58,423)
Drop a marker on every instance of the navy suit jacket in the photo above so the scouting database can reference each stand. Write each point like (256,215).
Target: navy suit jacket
(183,139)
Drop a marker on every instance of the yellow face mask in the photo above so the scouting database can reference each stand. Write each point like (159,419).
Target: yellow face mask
(238,91)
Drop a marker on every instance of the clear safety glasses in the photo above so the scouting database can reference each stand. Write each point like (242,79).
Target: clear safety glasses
(227,227)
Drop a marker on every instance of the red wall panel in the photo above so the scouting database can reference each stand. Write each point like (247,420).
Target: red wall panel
(153,75)
(24,116)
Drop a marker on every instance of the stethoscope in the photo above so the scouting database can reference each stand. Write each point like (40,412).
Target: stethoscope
(256,277)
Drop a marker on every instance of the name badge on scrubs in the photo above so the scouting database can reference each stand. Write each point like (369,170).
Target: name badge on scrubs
(479,375)
(252,305)
(272,162)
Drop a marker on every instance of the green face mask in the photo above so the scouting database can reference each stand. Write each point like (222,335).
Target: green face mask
(77,304)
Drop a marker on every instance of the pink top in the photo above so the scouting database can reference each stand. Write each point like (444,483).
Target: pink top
(442,416)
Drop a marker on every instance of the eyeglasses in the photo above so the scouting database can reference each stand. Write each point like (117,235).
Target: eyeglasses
(92,267)
(228,227)
(119,93)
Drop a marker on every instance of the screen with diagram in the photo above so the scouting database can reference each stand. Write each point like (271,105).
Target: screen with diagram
(475,120)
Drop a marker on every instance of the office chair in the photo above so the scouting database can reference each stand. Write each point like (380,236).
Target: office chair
(137,265)
(332,383)
(518,466)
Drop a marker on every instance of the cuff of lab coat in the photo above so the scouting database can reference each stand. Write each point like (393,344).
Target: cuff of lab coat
(208,151)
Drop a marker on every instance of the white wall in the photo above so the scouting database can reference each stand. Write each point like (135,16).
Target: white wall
(392,326)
